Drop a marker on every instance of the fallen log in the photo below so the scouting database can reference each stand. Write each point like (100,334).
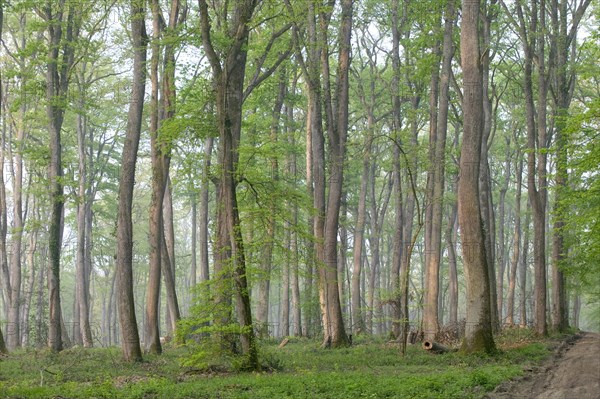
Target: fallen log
(284,343)
(434,347)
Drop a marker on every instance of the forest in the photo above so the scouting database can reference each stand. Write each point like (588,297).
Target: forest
(217,174)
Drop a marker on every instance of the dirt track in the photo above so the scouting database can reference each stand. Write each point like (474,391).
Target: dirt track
(572,373)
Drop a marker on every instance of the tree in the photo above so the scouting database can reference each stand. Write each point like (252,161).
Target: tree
(60,59)
(438,146)
(228,67)
(130,341)
(478,332)
(2,343)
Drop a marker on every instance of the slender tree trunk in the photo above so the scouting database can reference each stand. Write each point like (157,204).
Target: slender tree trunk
(203,212)
(31,280)
(510,299)
(434,252)
(538,194)
(168,260)
(82,286)
(523,270)
(130,342)
(13,338)
(3,348)
(451,235)
(501,244)
(159,170)
(264,285)
(478,332)
(293,267)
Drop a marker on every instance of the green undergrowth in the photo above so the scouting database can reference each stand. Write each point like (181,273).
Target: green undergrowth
(369,369)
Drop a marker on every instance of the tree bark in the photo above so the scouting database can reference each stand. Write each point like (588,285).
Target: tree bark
(510,299)
(478,332)
(203,211)
(82,286)
(60,60)
(130,342)
(228,74)
(434,251)
(523,271)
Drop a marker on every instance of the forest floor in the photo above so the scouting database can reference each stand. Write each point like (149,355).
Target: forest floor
(559,367)
(572,372)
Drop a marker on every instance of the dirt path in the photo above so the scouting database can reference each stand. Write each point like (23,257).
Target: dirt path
(572,373)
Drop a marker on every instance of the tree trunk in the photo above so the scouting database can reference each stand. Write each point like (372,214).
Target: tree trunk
(159,181)
(82,285)
(434,251)
(3,348)
(130,342)
(485,178)
(203,212)
(523,269)
(57,83)
(510,299)
(478,332)
(501,244)
(168,259)
(358,323)
(451,234)
(228,74)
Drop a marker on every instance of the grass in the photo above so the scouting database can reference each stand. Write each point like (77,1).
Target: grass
(369,369)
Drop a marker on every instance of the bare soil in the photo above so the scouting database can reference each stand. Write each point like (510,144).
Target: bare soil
(573,372)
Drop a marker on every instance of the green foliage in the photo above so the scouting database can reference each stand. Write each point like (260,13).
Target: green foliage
(582,205)
(300,370)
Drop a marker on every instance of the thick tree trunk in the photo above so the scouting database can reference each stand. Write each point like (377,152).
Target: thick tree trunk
(478,332)
(485,178)
(130,342)
(57,75)
(228,75)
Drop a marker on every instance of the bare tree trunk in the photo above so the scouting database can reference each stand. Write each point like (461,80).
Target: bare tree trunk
(130,342)
(168,260)
(57,83)
(485,178)
(501,244)
(159,181)
(358,326)
(82,285)
(203,212)
(478,332)
(434,251)
(3,348)
(40,332)
(510,307)
(523,270)
(451,236)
